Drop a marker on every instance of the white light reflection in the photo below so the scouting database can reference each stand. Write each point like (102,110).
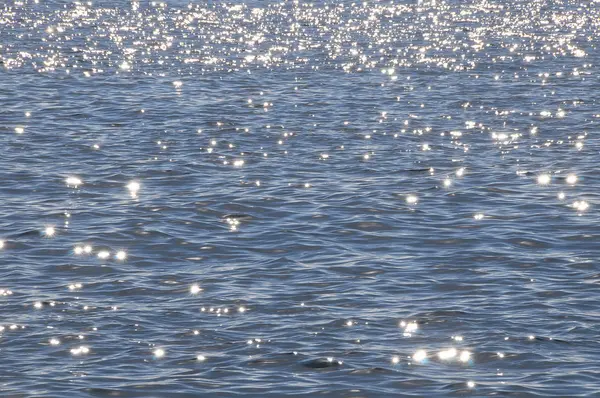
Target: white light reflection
(544,179)
(411,327)
(195,289)
(133,187)
(81,350)
(465,356)
(448,354)
(581,205)
(419,356)
(73,182)
(571,179)
(103,254)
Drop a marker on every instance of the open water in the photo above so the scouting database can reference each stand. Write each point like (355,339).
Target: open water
(334,198)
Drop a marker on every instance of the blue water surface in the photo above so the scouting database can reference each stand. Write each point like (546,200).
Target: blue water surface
(336,198)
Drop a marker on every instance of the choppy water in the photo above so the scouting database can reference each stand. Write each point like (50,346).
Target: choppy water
(334,198)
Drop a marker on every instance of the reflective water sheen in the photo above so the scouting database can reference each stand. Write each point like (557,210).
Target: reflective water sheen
(337,198)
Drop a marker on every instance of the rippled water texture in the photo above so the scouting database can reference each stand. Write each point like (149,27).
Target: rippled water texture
(259,198)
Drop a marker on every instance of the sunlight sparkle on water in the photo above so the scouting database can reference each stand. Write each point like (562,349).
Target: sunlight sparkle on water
(465,356)
(412,199)
(133,187)
(73,181)
(81,350)
(233,223)
(419,356)
(544,179)
(411,327)
(447,354)
(103,254)
(412,117)
(195,289)
(581,205)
